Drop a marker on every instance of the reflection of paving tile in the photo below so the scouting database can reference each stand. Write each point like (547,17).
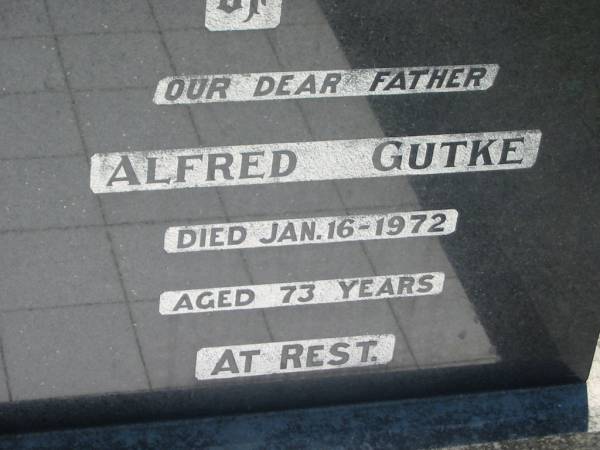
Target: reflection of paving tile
(308,47)
(306,263)
(91,16)
(128,120)
(59,267)
(148,270)
(250,123)
(291,200)
(409,255)
(29,64)
(170,344)
(390,193)
(114,61)
(206,52)
(4,397)
(71,351)
(444,330)
(37,125)
(340,118)
(156,206)
(23,18)
(324,321)
(43,193)
(179,13)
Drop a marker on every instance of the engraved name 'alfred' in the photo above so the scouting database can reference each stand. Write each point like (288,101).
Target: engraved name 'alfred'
(310,161)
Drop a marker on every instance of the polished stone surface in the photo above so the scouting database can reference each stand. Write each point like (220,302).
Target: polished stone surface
(81,274)
(554,418)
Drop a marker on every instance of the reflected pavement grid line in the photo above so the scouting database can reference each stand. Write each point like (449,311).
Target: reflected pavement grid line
(193,219)
(99,200)
(199,138)
(75,91)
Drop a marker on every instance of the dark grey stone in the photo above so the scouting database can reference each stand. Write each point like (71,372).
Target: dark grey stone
(81,275)
(307,47)
(543,418)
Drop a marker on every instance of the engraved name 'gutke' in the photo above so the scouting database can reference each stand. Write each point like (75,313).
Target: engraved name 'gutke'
(310,161)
